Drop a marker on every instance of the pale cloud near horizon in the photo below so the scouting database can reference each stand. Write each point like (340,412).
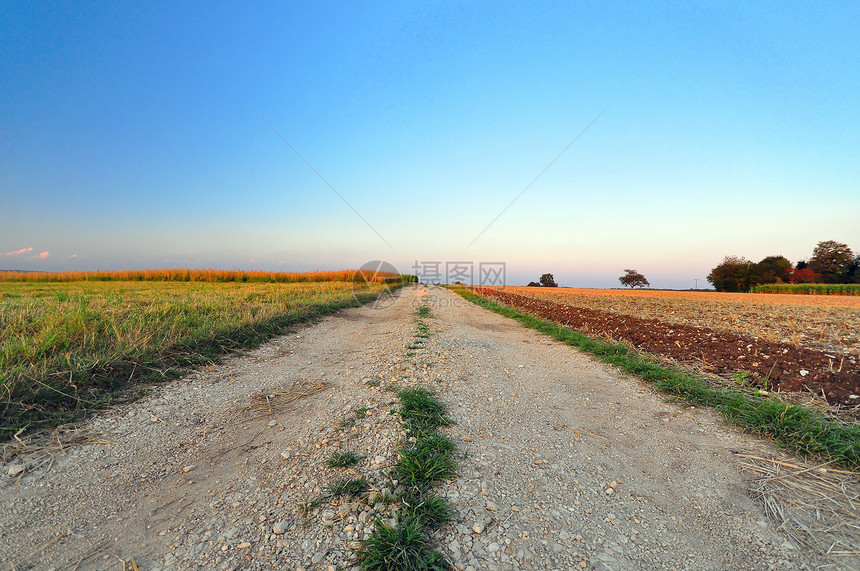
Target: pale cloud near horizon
(43,254)
(18,252)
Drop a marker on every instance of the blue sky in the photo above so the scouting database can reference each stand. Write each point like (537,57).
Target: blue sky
(136,136)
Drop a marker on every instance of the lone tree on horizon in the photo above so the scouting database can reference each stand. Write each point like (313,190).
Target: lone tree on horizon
(633,279)
(547,280)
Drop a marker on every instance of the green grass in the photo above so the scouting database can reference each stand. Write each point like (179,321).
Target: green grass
(429,510)
(344,459)
(352,488)
(797,428)
(424,464)
(403,547)
(423,413)
(423,311)
(69,348)
(809,289)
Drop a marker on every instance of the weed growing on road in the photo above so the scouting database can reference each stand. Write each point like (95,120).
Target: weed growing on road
(402,547)
(360,412)
(423,330)
(344,459)
(353,488)
(423,311)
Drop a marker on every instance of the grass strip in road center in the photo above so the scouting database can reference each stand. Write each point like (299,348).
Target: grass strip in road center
(426,462)
(795,427)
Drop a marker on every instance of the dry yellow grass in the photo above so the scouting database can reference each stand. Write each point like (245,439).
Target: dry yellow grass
(829,323)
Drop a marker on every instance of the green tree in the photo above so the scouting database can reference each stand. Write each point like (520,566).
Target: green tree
(633,279)
(854,271)
(547,280)
(832,260)
(733,274)
(772,269)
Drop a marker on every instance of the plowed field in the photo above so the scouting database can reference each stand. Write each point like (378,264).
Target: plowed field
(786,343)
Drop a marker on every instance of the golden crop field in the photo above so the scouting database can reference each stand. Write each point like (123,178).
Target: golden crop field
(819,322)
(68,346)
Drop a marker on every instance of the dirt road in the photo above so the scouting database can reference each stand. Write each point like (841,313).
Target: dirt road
(566,464)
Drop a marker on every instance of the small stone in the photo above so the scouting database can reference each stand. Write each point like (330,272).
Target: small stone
(188,468)
(15,469)
(280,527)
(609,491)
(318,556)
(478,527)
(803,372)
(379,460)
(244,545)
(564,534)
(285,454)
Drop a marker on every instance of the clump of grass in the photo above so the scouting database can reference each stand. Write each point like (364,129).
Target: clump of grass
(360,412)
(402,547)
(428,509)
(792,426)
(422,412)
(353,488)
(344,459)
(424,466)
(423,330)
(423,311)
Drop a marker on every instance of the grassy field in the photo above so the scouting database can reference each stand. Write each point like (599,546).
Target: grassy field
(70,347)
(817,322)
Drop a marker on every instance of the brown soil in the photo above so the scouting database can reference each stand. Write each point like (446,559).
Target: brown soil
(774,366)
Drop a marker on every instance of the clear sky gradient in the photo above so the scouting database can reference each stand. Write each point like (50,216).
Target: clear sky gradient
(136,136)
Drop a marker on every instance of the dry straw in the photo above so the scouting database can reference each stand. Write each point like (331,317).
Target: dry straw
(817,506)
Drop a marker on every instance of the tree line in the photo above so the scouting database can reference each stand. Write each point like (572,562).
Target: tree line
(831,263)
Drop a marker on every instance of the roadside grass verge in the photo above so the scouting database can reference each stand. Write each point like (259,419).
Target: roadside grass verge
(70,348)
(795,427)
